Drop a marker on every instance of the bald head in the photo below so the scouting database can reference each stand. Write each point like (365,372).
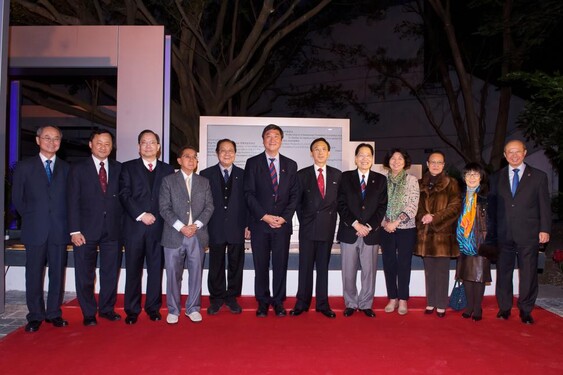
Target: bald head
(515,152)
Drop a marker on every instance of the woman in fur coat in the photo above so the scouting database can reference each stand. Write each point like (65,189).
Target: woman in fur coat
(438,211)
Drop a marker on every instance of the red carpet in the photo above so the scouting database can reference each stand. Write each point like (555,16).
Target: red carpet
(308,344)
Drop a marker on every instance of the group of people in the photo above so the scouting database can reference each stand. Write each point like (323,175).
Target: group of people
(165,220)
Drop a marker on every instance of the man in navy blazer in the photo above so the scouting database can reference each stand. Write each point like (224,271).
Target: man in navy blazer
(270,190)
(227,229)
(523,218)
(317,212)
(362,203)
(139,186)
(39,195)
(95,222)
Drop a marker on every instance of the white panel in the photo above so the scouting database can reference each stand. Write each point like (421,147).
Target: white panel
(140,87)
(15,280)
(63,46)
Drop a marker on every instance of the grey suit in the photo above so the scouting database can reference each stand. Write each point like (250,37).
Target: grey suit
(179,251)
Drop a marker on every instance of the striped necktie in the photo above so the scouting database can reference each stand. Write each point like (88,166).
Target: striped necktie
(274,176)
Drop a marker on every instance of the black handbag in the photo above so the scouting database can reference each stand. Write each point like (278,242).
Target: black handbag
(458,299)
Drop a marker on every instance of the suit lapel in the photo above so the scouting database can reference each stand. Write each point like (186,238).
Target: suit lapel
(41,171)
(113,177)
(527,175)
(93,172)
(331,189)
(236,180)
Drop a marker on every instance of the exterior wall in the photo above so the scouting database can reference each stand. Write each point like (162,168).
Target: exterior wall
(136,51)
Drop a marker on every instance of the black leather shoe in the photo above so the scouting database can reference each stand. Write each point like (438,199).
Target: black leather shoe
(233,307)
(111,316)
(90,321)
(428,311)
(262,311)
(369,313)
(296,312)
(349,311)
(441,314)
(477,318)
(280,310)
(504,315)
(131,319)
(328,313)
(154,316)
(526,319)
(33,326)
(466,315)
(57,322)
(214,308)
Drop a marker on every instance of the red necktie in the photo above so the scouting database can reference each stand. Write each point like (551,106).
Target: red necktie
(150,167)
(321,183)
(103,176)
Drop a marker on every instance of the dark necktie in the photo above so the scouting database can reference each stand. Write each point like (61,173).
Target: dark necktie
(321,183)
(48,170)
(103,177)
(363,186)
(274,177)
(226,175)
(515,181)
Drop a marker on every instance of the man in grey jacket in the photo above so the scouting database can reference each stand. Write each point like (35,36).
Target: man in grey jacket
(186,205)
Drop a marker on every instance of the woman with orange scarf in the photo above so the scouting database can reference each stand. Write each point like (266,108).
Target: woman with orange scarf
(474,236)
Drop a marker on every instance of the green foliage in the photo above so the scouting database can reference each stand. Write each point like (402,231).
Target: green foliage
(542,117)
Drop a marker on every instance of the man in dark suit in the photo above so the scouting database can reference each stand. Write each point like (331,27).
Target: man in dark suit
(139,186)
(39,195)
(523,219)
(186,205)
(270,190)
(227,229)
(362,203)
(317,211)
(95,223)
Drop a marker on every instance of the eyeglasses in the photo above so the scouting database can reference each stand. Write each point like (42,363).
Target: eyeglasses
(226,151)
(150,143)
(472,175)
(189,157)
(435,162)
(49,139)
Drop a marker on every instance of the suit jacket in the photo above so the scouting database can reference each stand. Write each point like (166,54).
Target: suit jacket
(137,197)
(370,210)
(228,222)
(90,211)
(175,204)
(522,217)
(259,192)
(317,216)
(42,205)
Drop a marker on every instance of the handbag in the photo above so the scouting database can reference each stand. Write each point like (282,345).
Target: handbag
(458,299)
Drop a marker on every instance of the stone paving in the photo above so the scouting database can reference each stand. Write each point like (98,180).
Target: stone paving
(16,310)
